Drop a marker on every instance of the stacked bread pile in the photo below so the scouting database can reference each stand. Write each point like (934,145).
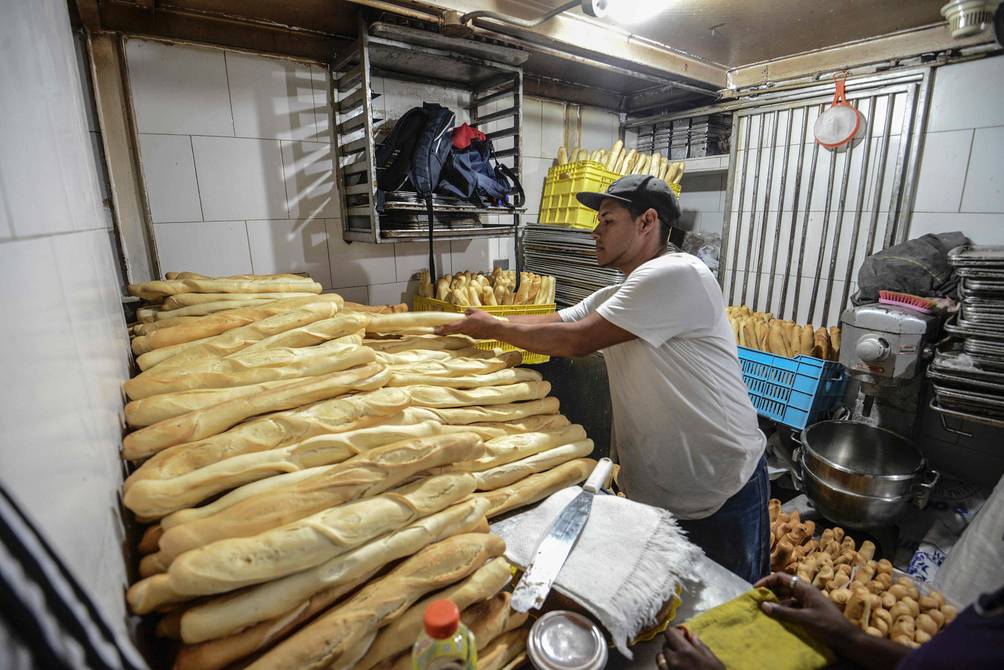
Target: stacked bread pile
(865,590)
(499,288)
(625,161)
(760,330)
(313,472)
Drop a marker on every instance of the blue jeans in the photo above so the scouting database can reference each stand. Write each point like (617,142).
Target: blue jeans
(737,536)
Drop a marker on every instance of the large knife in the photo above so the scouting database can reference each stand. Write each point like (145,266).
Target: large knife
(558,543)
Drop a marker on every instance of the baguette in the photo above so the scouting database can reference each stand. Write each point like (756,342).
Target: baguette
(242,368)
(148,411)
(234,563)
(509,448)
(806,340)
(394,323)
(329,641)
(250,277)
(398,635)
(615,153)
(346,324)
(821,344)
(145,492)
(504,649)
(452,366)
(498,378)
(233,340)
(776,341)
(359,477)
(376,309)
(214,420)
(271,602)
(207,308)
(537,487)
(440,397)
(419,356)
(189,299)
(835,341)
(510,473)
(515,411)
(153,290)
(420,343)
(137,329)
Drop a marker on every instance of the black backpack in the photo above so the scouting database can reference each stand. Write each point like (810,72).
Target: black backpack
(415,152)
(476,176)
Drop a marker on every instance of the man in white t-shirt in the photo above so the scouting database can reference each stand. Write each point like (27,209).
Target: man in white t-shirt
(685,432)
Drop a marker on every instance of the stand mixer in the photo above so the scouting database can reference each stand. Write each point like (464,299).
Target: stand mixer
(885,348)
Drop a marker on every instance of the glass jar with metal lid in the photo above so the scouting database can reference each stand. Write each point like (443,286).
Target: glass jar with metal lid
(562,640)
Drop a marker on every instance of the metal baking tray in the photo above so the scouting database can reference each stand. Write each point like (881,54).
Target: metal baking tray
(962,328)
(989,401)
(985,349)
(982,316)
(965,416)
(977,255)
(987,369)
(965,382)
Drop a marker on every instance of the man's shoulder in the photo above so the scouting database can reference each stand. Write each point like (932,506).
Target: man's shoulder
(672,265)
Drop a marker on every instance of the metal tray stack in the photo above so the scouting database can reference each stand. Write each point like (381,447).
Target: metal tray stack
(969,384)
(569,256)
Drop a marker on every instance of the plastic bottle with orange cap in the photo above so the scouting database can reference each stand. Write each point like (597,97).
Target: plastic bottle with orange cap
(446,643)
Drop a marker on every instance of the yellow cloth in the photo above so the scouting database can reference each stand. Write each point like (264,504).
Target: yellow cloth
(743,637)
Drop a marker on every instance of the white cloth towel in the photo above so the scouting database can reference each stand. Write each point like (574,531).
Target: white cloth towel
(628,561)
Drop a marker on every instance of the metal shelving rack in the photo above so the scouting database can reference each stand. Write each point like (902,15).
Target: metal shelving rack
(405,54)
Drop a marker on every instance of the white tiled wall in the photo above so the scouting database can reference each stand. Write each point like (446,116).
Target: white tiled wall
(65,349)
(237,166)
(961,182)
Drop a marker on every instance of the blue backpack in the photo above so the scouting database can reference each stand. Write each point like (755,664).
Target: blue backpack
(476,176)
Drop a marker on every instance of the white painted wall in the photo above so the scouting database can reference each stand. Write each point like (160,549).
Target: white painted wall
(65,351)
(237,166)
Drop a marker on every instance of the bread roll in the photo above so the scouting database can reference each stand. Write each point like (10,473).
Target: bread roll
(402,631)
(235,339)
(275,430)
(510,473)
(835,341)
(204,423)
(231,564)
(441,397)
(153,290)
(359,477)
(242,368)
(188,299)
(806,340)
(821,344)
(537,487)
(477,381)
(271,601)
(328,641)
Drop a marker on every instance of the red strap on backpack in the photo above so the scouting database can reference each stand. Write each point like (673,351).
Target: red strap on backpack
(464,134)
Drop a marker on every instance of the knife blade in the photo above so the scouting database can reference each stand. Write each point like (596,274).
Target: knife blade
(558,542)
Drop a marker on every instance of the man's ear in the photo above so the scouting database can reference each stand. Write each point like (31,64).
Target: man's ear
(651,219)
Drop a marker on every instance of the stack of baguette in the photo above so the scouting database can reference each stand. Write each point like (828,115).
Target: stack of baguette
(499,288)
(313,472)
(760,330)
(626,161)
(866,590)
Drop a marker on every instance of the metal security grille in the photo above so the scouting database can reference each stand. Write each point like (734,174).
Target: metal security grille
(800,219)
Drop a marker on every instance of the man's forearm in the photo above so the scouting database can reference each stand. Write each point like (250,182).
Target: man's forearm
(869,652)
(550,338)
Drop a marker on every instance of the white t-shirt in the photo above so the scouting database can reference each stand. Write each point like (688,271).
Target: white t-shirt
(686,434)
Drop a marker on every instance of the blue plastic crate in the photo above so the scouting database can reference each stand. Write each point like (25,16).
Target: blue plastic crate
(792,391)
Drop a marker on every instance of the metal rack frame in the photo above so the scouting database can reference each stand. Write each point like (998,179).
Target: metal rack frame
(354,129)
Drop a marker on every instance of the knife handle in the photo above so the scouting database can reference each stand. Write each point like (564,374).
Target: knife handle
(601,473)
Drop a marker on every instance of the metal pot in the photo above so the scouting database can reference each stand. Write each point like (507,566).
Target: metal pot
(860,475)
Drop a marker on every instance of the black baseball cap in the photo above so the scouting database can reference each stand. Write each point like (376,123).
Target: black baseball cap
(641,190)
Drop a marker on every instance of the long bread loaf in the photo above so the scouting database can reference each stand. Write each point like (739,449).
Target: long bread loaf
(147,495)
(420,342)
(153,290)
(188,299)
(421,356)
(211,421)
(510,473)
(230,564)
(498,378)
(441,397)
(395,323)
(401,632)
(272,601)
(151,410)
(243,368)
(207,308)
(363,476)
(168,333)
(537,487)
(501,651)
(513,411)
(451,366)
(509,448)
(235,339)
(327,641)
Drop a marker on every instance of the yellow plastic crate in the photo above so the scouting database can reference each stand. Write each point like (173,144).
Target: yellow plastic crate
(423,304)
(558,205)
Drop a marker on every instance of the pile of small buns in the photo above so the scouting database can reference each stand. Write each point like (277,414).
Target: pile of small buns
(760,330)
(866,591)
(475,289)
(310,473)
